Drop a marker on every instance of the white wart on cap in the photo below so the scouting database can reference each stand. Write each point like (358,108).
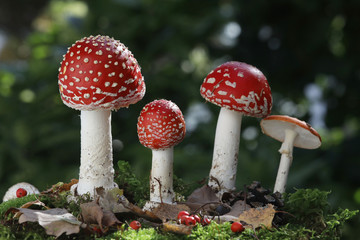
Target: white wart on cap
(291,132)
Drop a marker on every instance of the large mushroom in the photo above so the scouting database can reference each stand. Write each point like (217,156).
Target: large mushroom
(97,75)
(239,89)
(160,127)
(291,132)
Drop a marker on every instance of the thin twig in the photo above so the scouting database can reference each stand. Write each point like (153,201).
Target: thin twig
(158,180)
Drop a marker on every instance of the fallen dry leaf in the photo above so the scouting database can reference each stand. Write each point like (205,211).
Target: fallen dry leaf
(138,211)
(258,217)
(37,202)
(238,207)
(93,213)
(203,197)
(169,211)
(61,187)
(56,221)
(109,200)
(176,228)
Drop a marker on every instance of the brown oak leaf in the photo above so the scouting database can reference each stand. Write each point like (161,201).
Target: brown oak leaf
(258,217)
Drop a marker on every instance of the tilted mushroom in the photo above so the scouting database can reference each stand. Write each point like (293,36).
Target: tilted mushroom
(291,132)
(160,127)
(97,75)
(11,192)
(239,89)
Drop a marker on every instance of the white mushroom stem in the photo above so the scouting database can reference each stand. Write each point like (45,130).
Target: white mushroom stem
(161,177)
(96,167)
(226,149)
(286,151)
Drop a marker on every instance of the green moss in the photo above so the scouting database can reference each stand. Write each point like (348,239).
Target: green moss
(16,203)
(135,190)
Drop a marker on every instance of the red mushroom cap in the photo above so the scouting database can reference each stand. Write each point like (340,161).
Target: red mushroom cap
(161,125)
(100,72)
(240,87)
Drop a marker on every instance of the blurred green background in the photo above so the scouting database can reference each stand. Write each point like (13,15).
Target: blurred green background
(309,51)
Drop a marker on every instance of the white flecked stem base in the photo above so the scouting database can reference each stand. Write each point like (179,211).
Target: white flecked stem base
(161,177)
(96,167)
(286,151)
(226,150)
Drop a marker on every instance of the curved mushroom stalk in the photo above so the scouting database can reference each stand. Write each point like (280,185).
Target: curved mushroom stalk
(96,159)
(161,177)
(222,175)
(292,133)
(286,151)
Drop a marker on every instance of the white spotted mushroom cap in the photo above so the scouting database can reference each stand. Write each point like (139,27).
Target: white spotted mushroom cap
(240,87)
(11,192)
(100,72)
(161,125)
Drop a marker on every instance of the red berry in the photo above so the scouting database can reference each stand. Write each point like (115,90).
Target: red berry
(190,220)
(237,227)
(135,225)
(96,229)
(182,213)
(197,218)
(21,193)
(205,221)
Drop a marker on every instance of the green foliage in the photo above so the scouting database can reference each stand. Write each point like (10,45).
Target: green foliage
(212,231)
(141,234)
(309,206)
(135,190)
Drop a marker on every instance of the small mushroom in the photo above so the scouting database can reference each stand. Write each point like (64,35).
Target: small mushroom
(11,192)
(239,89)
(291,132)
(160,127)
(97,75)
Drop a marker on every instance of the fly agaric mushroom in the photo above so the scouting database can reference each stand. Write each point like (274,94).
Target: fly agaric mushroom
(97,75)
(291,132)
(239,89)
(160,127)
(11,192)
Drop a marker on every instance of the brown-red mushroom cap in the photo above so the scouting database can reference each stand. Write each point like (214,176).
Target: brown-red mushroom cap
(161,125)
(240,87)
(98,72)
(274,126)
